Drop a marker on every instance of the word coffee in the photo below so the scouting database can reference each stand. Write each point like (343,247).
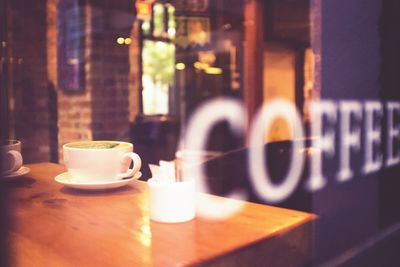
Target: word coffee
(352,118)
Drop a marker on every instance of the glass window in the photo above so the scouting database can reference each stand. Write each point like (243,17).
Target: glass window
(158,19)
(171,22)
(139,70)
(158,76)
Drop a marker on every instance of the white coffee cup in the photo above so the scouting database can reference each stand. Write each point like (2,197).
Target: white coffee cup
(11,156)
(93,161)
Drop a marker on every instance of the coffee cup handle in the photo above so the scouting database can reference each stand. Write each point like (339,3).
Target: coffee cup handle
(17,161)
(137,163)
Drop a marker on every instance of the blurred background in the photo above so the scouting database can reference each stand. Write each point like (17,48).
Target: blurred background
(137,70)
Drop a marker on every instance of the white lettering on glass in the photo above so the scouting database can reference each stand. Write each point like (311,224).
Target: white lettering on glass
(321,141)
(350,138)
(373,109)
(392,157)
(259,174)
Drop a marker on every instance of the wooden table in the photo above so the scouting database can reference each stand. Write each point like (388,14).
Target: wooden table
(56,226)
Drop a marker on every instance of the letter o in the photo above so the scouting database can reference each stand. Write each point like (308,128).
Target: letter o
(259,175)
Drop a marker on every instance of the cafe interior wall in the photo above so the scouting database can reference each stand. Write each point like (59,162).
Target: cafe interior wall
(27,82)
(76,117)
(41,112)
(287,59)
(99,110)
(106,103)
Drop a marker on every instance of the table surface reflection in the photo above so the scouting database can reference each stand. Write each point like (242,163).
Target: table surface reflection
(51,225)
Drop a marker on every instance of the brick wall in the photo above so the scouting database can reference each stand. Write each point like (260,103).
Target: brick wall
(73,109)
(29,90)
(134,55)
(109,68)
(45,116)
(102,109)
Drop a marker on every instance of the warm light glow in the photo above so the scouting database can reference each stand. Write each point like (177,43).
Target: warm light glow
(171,32)
(171,21)
(158,74)
(200,66)
(143,10)
(207,57)
(145,228)
(213,70)
(144,234)
(180,66)
(128,41)
(171,8)
(158,20)
(161,45)
(120,40)
(158,8)
(146,27)
(73,61)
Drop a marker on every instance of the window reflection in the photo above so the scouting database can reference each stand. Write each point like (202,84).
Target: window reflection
(138,70)
(158,75)
(158,19)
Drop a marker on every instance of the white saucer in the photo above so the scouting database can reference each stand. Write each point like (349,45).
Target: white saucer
(65,179)
(21,172)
